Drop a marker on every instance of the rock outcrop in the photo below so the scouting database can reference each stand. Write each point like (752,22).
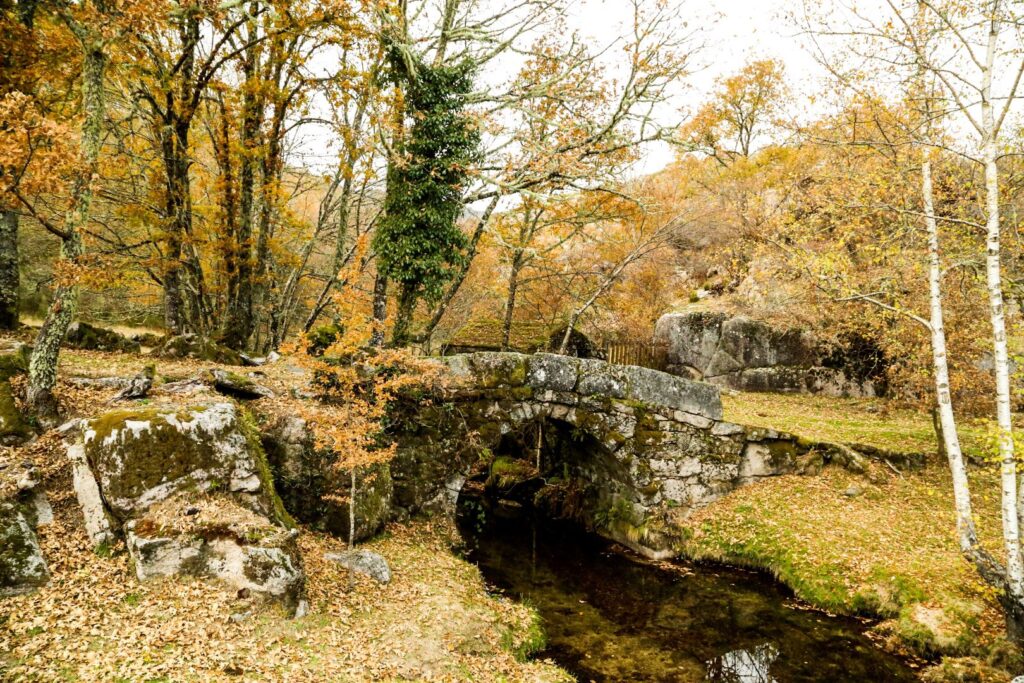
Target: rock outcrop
(190,490)
(306,478)
(238,386)
(748,355)
(364,562)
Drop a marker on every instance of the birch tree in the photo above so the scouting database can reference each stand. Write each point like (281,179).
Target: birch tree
(964,63)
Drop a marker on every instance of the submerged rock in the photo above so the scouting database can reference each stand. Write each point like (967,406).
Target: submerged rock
(365,562)
(82,335)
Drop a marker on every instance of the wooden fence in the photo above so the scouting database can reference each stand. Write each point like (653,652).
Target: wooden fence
(644,354)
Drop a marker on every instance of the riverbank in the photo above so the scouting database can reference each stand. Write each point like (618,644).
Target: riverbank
(95,622)
(880,545)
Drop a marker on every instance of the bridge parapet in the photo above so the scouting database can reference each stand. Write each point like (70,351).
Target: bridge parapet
(585,378)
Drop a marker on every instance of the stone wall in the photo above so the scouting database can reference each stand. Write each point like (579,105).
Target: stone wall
(748,355)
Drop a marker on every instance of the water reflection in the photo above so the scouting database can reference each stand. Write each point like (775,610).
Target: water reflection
(609,617)
(744,666)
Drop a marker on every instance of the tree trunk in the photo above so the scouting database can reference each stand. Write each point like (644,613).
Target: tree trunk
(238,323)
(1004,416)
(178,207)
(403,316)
(510,300)
(380,310)
(42,371)
(950,443)
(352,509)
(9,277)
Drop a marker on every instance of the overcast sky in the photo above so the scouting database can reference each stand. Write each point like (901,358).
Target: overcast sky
(735,32)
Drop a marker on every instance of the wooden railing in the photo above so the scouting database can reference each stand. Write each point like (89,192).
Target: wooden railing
(644,354)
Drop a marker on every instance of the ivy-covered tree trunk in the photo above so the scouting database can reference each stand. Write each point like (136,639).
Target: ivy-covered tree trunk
(9,279)
(42,369)
(419,244)
(400,333)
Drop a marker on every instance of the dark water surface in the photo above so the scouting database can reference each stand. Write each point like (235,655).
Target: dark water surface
(611,617)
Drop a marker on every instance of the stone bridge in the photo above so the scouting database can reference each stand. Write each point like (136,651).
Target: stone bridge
(643,446)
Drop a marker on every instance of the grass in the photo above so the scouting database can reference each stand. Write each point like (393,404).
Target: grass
(872,422)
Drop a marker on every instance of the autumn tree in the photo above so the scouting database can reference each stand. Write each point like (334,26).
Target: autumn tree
(17,52)
(744,110)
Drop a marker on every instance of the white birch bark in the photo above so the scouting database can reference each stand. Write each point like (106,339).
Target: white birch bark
(961,489)
(997,315)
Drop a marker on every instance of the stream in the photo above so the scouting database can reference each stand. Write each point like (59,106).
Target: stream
(610,616)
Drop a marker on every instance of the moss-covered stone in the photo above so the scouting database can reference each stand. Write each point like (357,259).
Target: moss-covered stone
(316,491)
(14,428)
(199,348)
(216,538)
(143,455)
(238,386)
(82,335)
(14,361)
(22,567)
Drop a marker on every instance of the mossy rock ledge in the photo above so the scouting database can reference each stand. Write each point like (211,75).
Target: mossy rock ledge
(198,348)
(190,489)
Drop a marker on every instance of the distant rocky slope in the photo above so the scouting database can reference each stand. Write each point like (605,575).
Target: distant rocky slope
(749,355)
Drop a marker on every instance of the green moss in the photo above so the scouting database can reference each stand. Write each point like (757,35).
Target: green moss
(13,425)
(500,371)
(621,519)
(190,346)
(506,472)
(783,451)
(14,363)
(252,436)
(822,585)
(529,641)
(320,339)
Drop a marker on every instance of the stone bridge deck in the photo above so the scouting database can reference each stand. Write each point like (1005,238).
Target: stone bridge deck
(659,443)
